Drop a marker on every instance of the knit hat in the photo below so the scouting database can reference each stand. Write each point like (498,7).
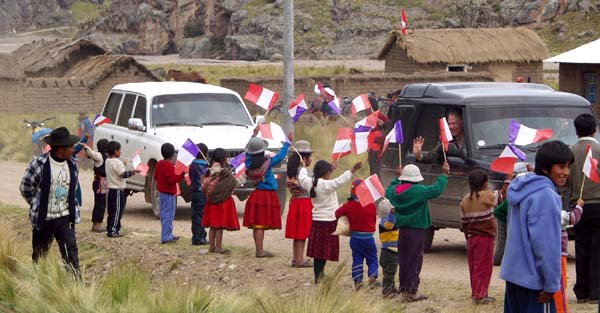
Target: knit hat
(355,183)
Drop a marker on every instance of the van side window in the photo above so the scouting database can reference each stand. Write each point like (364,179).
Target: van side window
(126,110)
(430,126)
(140,109)
(406,114)
(112,106)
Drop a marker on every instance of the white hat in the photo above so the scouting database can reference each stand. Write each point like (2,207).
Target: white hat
(411,173)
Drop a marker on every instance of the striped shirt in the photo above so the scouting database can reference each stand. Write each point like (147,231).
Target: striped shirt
(388,232)
(477,214)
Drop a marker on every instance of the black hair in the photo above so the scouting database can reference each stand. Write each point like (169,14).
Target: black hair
(294,163)
(113,147)
(218,155)
(585,125)
(374,103)
(167,150)
(477,178)
(321,169)
(551,153)
(457,112)
(203,151)
(102,146)
(257,160)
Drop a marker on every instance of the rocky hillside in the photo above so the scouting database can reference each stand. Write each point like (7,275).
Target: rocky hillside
(252,29)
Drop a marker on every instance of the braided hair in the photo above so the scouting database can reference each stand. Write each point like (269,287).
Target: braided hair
(477,179)
(321,169)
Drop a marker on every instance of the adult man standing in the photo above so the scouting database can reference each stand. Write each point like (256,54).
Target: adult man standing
(49,187)
(587,231)
(456,147)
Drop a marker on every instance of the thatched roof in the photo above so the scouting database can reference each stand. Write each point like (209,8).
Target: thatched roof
(468,45)
(41,55)
(94,69)
(10,68)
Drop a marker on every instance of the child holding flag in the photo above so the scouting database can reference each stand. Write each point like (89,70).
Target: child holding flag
(166,183)
(198,169)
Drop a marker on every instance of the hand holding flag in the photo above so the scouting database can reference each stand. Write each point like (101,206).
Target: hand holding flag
(186,155)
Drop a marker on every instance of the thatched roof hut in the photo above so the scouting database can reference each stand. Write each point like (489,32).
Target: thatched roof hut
(93,70)
(10,68)
(43,58)
(468,45)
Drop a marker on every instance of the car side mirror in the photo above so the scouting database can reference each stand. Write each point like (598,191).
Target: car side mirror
(259,119)
(136,124)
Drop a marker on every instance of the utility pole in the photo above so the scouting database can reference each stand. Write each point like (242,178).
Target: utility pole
(288,63)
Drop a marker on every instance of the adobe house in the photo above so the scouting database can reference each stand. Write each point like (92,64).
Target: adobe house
(11,84)
(579,71)
(506,53)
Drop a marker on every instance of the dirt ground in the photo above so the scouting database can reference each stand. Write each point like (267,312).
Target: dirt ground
(445,276)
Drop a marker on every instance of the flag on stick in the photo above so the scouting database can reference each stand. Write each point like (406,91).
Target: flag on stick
(186,155)
(396,135)
(360,139)
(262,97)
(101,119)
(445,135)
(590,166)
(272,131)
(136,161)
(505,163)
(239,164)
(522,135)
(404,22)
(370,190)
(343,143)
(297,108)
(360,103)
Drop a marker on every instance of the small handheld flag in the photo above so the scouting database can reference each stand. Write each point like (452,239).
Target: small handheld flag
(396,135)
(261,96)
(239,164)
(505,163)
(445,135)
(343,143)
(360,103)
(370,190)
(297,108)
(272,131)
(522,135)
(101,119)
(404,22)
(136,161)
(186,155)
(590,166)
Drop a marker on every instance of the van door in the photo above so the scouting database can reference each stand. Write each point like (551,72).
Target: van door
(405,112)
(138,139)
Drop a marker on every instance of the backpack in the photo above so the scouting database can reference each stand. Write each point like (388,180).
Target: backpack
(257,175)
(217,187)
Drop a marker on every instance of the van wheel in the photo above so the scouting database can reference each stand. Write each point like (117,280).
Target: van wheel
(429,233)
(499,242)
(151,193)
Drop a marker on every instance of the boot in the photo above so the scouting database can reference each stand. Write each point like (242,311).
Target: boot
(97,228)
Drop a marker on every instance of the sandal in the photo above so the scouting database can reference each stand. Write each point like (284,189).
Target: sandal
(221,251)
(306,263)
(266,254)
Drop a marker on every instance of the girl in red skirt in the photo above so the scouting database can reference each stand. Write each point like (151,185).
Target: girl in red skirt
(299,215)
(322,245)
(262,208)
(223,215)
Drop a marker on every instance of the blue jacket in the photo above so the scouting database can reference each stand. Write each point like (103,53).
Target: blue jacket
(198,169)
(532,257)
(269,182)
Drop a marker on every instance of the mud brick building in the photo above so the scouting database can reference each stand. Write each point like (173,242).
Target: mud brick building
(11,84)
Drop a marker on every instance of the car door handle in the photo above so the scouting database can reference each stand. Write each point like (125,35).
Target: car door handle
(112,136)
(126,140)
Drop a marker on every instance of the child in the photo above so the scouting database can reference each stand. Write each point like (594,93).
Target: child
(322,244)
(388,259)
(410,201)
(532,257)
(567,218)
(262,208)
(116,174)
(198,169)
(166,183)
(299,215)
(219,215)
(362,226)
(479,226)
(100,188)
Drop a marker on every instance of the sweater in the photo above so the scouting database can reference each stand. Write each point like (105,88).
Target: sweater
(388,232)
(361,219)
(591,192)
(477,214)
(410,201)
(166,179)
(269,182)
(566,219)
(532,256)
(326,201)
(116,173)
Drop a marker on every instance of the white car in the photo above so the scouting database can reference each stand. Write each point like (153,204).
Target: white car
(146,115)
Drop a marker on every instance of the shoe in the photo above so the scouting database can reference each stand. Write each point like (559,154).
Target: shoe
(265,254)
(583,300)
(202,242)
(413,297)
(174,240)
(221,251)
(306,263)
(358,285)
(486,300)
(374,283)
(389,294)
(115,235)
(97,228)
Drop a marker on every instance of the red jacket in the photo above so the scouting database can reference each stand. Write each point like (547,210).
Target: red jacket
(376,137)
(360,218)
(166,179)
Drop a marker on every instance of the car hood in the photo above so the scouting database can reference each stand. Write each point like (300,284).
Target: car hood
(228,137)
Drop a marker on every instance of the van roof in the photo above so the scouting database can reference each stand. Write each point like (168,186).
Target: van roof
(151,89)
(490,93)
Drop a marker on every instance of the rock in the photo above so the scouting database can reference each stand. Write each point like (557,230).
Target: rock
(587,33)
(258,269)
(203,251)
(452,23)
(231,267)
(241,48)
(550,9)
(222,265)
(193,48)
(276,57)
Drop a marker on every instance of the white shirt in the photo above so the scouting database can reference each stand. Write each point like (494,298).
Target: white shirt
(58,200)
(326,201)
(114,169)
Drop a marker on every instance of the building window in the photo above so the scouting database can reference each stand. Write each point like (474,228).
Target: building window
(456,68)
(590,87)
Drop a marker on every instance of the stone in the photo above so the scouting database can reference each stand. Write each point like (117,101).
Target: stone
(241,48)
(587,33)
(452,23)
(276,57)
(194,48)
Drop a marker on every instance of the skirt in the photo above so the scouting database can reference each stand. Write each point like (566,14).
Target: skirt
(222,215)
(321,243)
(299,219)
(262,210)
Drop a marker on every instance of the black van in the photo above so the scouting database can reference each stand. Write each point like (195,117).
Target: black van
(487,110)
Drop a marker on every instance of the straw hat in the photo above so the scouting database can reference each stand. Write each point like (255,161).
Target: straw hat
(411,173)
(256,145)
(303,146)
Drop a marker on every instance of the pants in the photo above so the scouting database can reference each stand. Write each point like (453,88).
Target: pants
(198,204)
(481,263)
(388,260)
(363,249)
(116,205)
(587,253)
(374,162)
(519,299)
(319,269)
(99,207)
(64,232)
(560,297)
(410,258)
(167,215)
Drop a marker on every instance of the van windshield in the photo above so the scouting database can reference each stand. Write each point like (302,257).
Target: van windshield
(490,126)
(199,109)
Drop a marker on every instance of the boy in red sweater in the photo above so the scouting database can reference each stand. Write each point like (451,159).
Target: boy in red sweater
(166,182)
(362,225)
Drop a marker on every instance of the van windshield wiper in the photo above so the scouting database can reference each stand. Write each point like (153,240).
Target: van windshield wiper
(225,123)
(496,146)
(177,124)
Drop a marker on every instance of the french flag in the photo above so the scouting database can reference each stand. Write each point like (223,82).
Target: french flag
(445,135)
(505,163)
(272,131)
(239,164)
(590,166)
(186,155)
(361,139)
(262,97)
(360,103)
(343,143)
(522,135)
(101,119)
(396,135)
(297,108)
(335,105)
(370,190)
(136,161)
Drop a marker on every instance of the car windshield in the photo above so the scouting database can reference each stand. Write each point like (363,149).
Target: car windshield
(199,109)
(490,126)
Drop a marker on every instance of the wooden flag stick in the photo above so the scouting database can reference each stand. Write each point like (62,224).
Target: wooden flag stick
(294,148)
(399,154)
(582,184)
(346,120)
(203,156)
(444,151)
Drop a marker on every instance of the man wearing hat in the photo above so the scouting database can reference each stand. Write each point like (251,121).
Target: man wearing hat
(49,187)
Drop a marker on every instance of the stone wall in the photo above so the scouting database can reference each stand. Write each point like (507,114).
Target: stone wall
(12,95)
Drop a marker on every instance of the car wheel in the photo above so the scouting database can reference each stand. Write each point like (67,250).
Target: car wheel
(499,242)
(429,233)
(151,193)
